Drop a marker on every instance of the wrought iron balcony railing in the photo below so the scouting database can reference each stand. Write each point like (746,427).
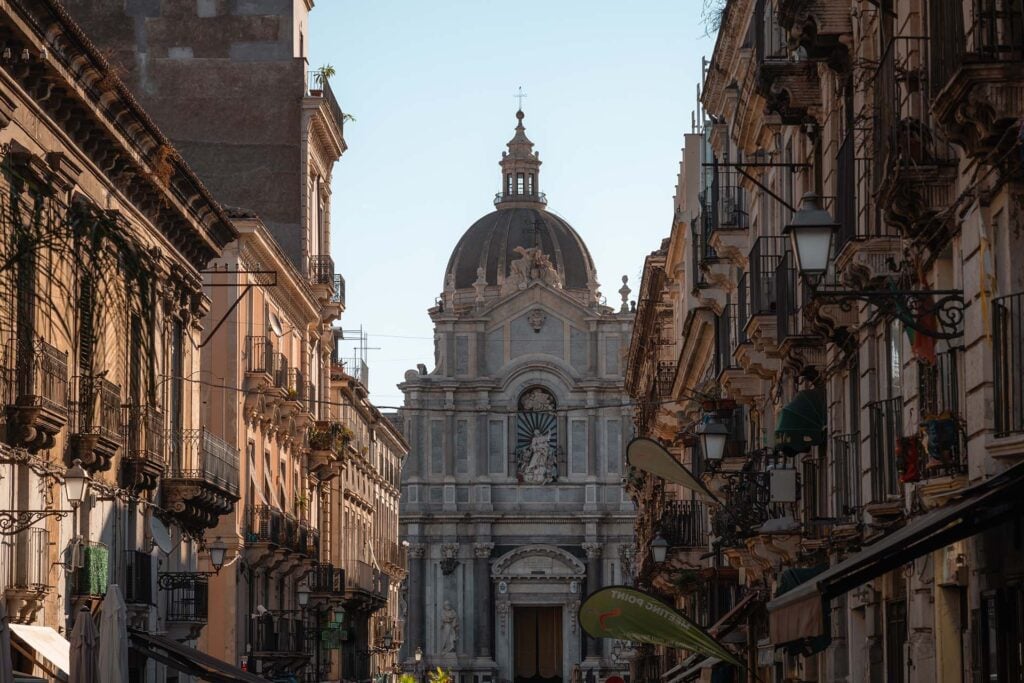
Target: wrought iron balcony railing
(259,355)
(1008,363)
(138,578)
(326,579)
(846,473)
(280,371)
(279,632)
(187,595)
(764,259)
(142,427)
(318,85)
(684,524)
(338,293)
(41,376)
(29,560)
(206,457)
(886,423)
(264,524)
(95,409)
(321,270)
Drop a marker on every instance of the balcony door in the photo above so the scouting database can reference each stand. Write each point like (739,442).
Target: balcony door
(538,644)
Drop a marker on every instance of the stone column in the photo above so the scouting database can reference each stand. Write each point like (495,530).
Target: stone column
(482,592)
(593,551)
(416,636)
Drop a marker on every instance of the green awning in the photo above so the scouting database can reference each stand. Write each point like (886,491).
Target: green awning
(802,422)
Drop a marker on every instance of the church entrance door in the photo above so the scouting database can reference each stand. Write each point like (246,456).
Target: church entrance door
(538,644)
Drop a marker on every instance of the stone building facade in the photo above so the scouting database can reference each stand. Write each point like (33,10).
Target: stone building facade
(105,233)
(511,495)
(867,485)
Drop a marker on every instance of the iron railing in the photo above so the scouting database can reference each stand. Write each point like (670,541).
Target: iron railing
(259,355)
(1008,363)
(503,197)
(290,532)
(993,32)
(791,298)
(318,85)
(310,399)
(904,131)
(95,408)
(188,596)
(142,427)
(206,457)
(264,524)
(138,578)
(846,473)
(326,579)
(723,204)
(684,524)
(338,290)
(296,385)
(29,559)
(41,376)
(885,418)
(846,188)
(764,258)
(313,543)
(321,270)
(279,632)
(665,377)
(280,371)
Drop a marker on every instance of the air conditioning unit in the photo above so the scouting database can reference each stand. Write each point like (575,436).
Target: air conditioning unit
(954,565)
(783,486)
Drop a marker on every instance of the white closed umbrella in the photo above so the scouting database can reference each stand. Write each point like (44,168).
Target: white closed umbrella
(113,655)
(83,649)
(6,667)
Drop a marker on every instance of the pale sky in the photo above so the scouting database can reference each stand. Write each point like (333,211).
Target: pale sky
(610,90)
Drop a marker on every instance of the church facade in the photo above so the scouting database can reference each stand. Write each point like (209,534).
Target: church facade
(512,497)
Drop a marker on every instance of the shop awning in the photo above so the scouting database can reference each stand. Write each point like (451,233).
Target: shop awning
(694,671)
(49,649)
(187,660)
(802,422)
(799,613)
(650,456)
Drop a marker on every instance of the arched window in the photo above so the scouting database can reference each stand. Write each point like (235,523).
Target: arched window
(537,460)
(530,186)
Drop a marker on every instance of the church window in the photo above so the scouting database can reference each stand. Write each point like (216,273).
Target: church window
(536,453)
(520,183)
(532,184)
(508,183)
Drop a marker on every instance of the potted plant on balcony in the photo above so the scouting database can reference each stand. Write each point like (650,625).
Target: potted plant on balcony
(320,77)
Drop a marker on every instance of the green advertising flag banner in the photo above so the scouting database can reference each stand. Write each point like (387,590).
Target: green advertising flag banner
(628,614)
(651,456)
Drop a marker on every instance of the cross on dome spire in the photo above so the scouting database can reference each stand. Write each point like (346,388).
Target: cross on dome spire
(520,169)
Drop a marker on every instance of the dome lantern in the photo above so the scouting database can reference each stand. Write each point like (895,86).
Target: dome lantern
(520,172)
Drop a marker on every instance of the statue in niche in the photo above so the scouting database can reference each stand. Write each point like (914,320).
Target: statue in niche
(449,629)
(532,265)
(538,459)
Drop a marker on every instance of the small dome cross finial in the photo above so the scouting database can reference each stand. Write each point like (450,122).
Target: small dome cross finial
(624,292)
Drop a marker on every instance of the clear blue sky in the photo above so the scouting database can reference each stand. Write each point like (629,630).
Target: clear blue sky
(610,89)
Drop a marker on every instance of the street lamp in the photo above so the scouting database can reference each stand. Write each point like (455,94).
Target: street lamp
(713,436)
(76,483)
(659,548)
(388,641)
(217,552)
(811,232)
(303,594)
(418,655)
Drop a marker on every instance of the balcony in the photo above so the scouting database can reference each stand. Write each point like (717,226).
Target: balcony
(978,85)
(846,473)
(791,88)
(94,424)
(724,215)
(318,85)
(265,544)
(327,583)
(945,450)
(259,363)
(529,197)
(28,581)
(321,271)
(799,346)
(326,440)
(37,394)
(885,419)
(731,343)
(684,524)
(761,314)
(338,291)
(393,556)
(279,638)
(366,588)
(138,578)
(202,483)
(187,600)
(144,459)
(819,27)
(915,165)
(89,579)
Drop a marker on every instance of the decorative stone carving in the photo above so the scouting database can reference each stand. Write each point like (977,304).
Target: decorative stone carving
(624,292)
(537,463)
(627,557)
(483,550)
(537,318)
(593,550)
(449,558)
(574,609)
(533,265)
(417,550)
(537,400)
(449,629)
(502,609)
(480,284)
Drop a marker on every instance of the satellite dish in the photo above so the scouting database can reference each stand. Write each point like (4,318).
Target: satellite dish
(161,536)
(275,324)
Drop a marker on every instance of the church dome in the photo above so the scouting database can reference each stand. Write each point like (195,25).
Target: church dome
(490,243)
(521,221)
